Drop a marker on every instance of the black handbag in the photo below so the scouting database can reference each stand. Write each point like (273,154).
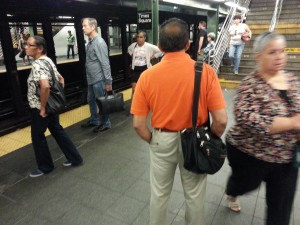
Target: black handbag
(110,103)
(203,151)
(57,100)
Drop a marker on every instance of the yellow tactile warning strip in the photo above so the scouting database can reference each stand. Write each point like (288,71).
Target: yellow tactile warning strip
(297,50)
(229,84)
(22,137)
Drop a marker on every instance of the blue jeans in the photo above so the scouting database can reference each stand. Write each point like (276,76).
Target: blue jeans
(41,150)
(235,54)
(70,47)
(94,91)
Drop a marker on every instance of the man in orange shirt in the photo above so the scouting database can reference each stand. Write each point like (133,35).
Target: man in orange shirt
(166,90)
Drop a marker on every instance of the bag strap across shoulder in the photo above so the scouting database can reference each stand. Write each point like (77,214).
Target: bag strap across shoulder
(51,70)
(197,83)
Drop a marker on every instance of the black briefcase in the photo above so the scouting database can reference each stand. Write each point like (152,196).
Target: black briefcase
(110,103)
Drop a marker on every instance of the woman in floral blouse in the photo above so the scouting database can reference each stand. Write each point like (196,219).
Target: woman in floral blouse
(261,143)
(40,76)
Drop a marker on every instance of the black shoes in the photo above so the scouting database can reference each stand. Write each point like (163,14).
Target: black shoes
(87,125)
(68,163)
(100,128)
(36,173)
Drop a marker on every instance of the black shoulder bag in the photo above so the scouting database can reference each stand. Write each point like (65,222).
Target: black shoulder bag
(57,101)
(110,103)
(203,151)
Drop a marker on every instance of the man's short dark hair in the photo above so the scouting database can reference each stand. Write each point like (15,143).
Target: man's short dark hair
(173,35)
(203,23)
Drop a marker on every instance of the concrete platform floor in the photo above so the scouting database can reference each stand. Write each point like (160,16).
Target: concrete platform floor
(112,187)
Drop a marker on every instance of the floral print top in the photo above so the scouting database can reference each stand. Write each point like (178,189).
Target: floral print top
(256,104)
(39,72)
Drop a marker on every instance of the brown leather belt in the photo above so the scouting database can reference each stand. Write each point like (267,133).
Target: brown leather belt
(165,130)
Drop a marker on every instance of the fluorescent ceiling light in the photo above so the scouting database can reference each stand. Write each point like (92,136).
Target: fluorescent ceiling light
(231,4)
(65,17)
(180,2)
(242,8)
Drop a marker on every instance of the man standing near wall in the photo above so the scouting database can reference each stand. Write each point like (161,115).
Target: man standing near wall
(71,43)
(202,40)
(98,73)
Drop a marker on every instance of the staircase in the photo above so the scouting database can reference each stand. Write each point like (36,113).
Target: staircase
(258,19)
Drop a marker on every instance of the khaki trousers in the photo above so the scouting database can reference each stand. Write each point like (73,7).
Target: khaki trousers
(165,155)
(200,57)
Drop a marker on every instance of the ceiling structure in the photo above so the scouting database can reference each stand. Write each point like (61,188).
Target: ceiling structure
(107,8)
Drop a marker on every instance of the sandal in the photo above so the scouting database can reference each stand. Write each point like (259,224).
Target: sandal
(233,204)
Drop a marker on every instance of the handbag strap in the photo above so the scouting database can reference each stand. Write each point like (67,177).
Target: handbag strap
(54,80)
(197,83)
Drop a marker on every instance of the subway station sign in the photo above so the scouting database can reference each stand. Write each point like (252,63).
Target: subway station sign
(145,20)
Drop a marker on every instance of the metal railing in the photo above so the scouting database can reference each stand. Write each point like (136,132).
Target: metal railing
(276,15)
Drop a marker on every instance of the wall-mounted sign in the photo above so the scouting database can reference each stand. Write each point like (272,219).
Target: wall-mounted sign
(144,20)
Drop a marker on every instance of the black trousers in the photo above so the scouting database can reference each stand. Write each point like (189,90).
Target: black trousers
(281,179)
(70,47)
(40,145)
(136,73)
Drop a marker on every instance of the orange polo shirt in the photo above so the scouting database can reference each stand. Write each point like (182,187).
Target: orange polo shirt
(167,89)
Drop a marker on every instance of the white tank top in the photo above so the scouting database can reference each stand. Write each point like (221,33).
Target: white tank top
(236,32)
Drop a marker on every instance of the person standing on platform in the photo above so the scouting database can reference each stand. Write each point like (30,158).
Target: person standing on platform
(98,74)
(141,52)
(21,48)
(236,45)
(71,43)
(40,75)
(261,145)
(211,44)
(166,91)
(202,40)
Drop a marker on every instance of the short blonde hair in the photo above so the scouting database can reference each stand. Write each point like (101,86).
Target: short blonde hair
(92,22)
(211,35)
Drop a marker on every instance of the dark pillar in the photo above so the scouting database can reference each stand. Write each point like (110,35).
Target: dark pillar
(81,47)
(47,34)
(104,30)
(124,50)
(34,27)
(10,64)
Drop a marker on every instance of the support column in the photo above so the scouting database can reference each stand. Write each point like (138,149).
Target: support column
(34,29)
(47,34)
(155,21)
(104,30)
(81,47)
(10,64)
(213,21)
(151,6)
(124,50)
